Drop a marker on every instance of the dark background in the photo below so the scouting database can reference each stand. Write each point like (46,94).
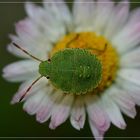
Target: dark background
(14,122)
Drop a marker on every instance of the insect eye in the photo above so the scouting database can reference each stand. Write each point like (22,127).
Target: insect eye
(49,60)
(48,77)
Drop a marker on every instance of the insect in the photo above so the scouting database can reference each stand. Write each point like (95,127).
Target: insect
(72,70)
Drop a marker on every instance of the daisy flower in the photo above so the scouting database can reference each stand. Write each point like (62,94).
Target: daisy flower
(106,30)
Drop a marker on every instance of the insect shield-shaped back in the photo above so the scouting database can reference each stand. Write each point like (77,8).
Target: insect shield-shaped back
(73,70)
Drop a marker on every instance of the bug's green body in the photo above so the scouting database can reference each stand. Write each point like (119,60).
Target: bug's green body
(73,70)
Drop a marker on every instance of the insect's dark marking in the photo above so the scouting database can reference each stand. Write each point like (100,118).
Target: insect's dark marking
(48,77)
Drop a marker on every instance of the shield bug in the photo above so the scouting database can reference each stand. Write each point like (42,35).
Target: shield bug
(72,70)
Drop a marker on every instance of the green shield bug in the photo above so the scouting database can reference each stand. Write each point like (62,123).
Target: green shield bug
(72,70)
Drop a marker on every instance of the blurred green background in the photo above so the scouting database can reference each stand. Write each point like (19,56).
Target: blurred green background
(14,122)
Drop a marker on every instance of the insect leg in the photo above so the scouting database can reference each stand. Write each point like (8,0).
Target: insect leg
(75,38)
(105,48)
(100,51)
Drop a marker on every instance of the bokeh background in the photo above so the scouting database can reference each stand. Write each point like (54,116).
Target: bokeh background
(14,122)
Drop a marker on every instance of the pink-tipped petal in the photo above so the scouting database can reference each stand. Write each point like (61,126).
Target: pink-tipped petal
(78,115)
(98,134)
(61,112)
(44,113)
(32,104)
(29,32)
(97,114)
(47,105)
(26,27)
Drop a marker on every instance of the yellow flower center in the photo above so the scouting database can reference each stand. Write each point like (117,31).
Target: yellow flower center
(98,46)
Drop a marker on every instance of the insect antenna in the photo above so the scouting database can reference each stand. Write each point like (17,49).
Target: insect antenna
(17,46)
(29,88)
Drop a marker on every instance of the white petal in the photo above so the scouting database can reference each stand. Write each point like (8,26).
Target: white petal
(132,75)
(132,89)
(50,26)
(83,14)
(39,48)
(129,112)
(27,26)
(96,114)
(48,104)
(60,11)
(98,134)
(134,17)
(44,111)
(128,37)
(27,46)
(121,97)
(131,59)
(124,101)
(16,51)
(78,115)
(117,19)
(112,110)
(40,85)
(21,71)
(61,112)
(29,32)
(102,16)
